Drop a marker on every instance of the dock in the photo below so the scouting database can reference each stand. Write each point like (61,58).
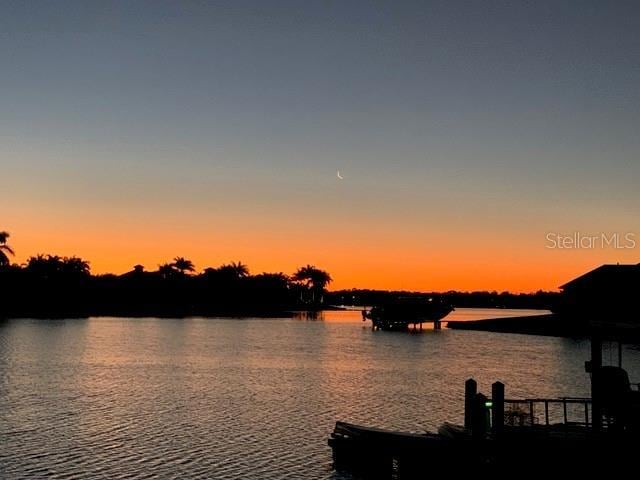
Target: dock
(401,326)
(533,438)
(400,314)
(503,437)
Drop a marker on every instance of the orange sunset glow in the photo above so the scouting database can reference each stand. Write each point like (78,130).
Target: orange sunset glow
(357,256)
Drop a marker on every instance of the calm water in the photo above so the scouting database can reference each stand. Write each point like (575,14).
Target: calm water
(254,398)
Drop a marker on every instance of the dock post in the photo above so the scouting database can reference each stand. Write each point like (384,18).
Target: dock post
(470,390)
(480,426)
(497,407)
(619,354)
(596,367)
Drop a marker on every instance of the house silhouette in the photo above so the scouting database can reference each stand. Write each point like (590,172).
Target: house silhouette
(608,291)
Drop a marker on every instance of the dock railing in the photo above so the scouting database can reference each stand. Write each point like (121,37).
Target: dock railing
(569,411)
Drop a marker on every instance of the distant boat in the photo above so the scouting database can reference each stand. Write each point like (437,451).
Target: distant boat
(400,313)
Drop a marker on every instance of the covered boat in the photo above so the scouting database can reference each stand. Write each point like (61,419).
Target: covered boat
(400,313)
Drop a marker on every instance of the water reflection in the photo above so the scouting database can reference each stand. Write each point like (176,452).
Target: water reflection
(309,315)
(253,398)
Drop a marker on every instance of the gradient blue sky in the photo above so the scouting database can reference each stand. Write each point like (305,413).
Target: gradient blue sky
(466,131)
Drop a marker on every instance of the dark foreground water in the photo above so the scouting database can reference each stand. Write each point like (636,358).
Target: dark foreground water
(112,398)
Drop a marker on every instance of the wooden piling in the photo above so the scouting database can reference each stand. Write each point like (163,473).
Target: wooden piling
(480,425)
(497,407)
(596,366)
(619,354)
(470,391)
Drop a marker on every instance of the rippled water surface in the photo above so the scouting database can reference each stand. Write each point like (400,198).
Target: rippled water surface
(224,398)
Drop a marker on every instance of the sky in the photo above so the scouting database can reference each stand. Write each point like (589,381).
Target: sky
(468,134)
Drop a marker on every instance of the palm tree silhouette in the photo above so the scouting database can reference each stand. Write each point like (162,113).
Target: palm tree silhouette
(75,266)
(227,273)
(237,269)
(4,260)
(44,265)
(167,270)
(55,266)
(183,265)
(314,279)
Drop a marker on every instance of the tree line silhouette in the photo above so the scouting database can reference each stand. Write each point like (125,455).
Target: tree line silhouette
(540,300)
(53,286)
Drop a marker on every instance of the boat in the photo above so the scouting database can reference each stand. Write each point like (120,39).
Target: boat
(400,313)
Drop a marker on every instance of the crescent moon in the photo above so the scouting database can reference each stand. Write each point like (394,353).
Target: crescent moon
(339,176)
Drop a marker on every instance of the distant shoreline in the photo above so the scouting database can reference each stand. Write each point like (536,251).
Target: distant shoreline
(260,312)
(160,313)
(550,325)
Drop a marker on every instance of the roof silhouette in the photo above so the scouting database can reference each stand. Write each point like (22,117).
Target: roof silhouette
(607,276)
